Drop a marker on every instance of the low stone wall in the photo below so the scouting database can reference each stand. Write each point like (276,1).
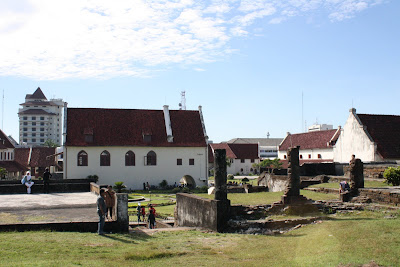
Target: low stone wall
(56,186)
(246,189)
(371,170)
(194,211)
(383,196)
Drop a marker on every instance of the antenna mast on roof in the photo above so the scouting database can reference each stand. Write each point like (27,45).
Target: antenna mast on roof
(182,105)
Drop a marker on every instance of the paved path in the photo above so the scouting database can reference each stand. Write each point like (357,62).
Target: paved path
(50,201)
(56,207)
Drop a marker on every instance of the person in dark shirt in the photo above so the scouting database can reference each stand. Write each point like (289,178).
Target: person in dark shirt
(46,180)
(151,219)
(101,210)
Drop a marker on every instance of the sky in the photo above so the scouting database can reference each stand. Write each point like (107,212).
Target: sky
(255,66)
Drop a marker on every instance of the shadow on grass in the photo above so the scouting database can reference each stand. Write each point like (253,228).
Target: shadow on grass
(350,219)
(128,238)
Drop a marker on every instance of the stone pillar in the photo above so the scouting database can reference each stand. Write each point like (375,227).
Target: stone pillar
(293,188)
(122,212)
(220,174)
(356,175)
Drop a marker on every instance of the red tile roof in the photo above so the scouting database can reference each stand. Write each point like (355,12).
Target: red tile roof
(385,131)
(39,103)
(38,156)
(310,140)
(34,111)
(4,141)
(235,151)
(126,127)
(12,166)
(38,94)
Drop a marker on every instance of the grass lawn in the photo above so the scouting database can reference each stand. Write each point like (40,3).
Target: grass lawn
(356,238)
(269,197)
(367,184)
(165,209)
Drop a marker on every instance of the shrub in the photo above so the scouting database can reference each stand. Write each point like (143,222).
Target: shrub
(392,176)
(119,186)
(203,189)
(176,190)
(231,176)
(237,174)
(163,184)
(185,190)
(94,177)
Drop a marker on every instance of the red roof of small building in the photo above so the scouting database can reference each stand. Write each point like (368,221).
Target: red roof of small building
(4,141)
(126,127)
(34,111)
(13,166)
(310,140)
(38,156)
(235,151)
(38,94)
(385,131)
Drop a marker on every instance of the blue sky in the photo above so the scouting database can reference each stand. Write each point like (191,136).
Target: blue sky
(246,62)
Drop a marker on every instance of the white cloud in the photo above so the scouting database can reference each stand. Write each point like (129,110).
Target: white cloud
(50,39)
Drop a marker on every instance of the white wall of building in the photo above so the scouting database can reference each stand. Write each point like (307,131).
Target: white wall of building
(311,154)
(7,154)
(268,152)
(354,140)
(242,168)
(134,176)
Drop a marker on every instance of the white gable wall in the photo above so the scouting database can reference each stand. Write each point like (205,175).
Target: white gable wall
(326,154)
(354,140)
(134,176)
(242,168)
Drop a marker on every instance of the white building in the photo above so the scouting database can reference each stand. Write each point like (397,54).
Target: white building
(136,146)
(371,138)
(320,127)
(315,146)
(40,119)
(268,147)
(241,157)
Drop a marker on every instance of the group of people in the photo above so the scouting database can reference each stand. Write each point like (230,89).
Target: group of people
(151,219)
(105,207)
(27,181)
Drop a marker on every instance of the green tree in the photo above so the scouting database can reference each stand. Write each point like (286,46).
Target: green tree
(163,184)
(50,143)
(271,164)
(392,176)
(3,173)
(94,176)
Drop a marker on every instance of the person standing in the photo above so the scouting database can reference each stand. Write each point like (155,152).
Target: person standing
(110,202)
(139,212)
(46,177)
(101,210)
(151,219)
(143,210)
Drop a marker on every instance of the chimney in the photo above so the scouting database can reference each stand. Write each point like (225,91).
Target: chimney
(168,128)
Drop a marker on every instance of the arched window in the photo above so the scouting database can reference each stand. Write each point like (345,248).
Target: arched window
(130,158)
(105,158)
(82,158)
(151,158)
